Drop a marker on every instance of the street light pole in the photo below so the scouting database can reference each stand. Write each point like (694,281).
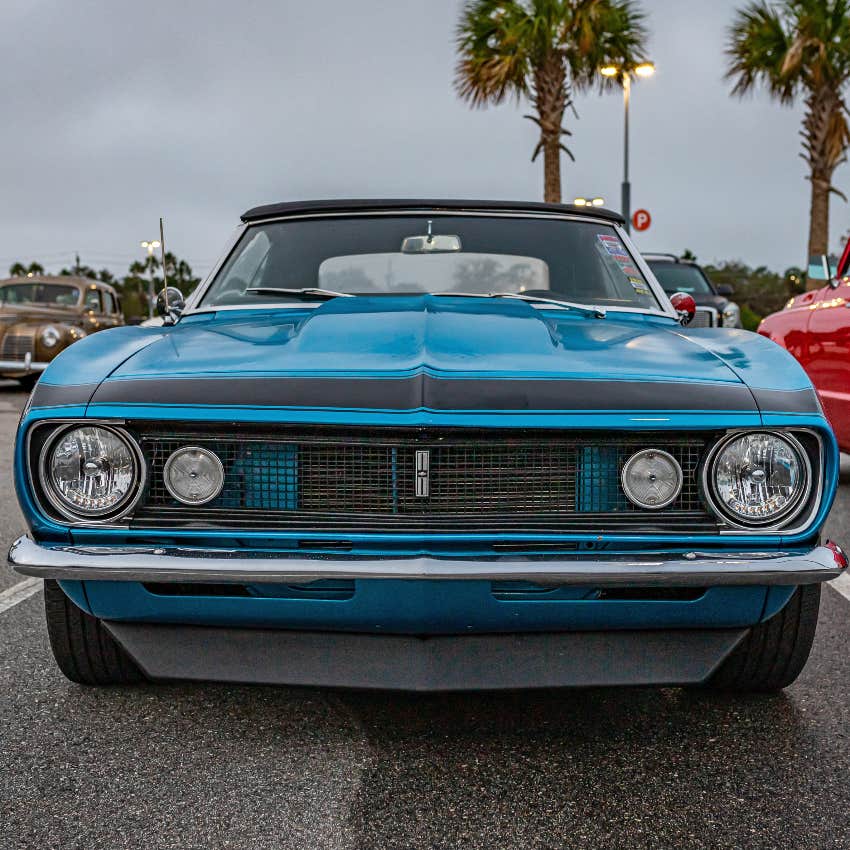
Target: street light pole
(645,69)
(627,187)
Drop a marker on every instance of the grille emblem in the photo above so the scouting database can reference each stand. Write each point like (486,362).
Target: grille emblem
(423,463)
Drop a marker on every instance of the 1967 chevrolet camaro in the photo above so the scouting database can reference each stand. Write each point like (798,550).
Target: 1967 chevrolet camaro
(428,445)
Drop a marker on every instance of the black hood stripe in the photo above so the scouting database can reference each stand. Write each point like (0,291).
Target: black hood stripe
(788,401)
(56,395)
(419,391)
(434,393)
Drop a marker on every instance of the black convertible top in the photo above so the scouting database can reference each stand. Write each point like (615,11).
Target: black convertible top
(346,206)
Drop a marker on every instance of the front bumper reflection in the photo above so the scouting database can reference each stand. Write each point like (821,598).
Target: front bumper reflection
(164,564)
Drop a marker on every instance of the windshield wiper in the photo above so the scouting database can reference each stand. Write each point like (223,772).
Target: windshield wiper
(594,312)
(305,292)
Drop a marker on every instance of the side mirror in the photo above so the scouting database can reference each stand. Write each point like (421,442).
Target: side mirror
(170,304)
(725,289)
(685,306)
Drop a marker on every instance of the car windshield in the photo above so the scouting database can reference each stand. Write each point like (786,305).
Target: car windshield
(681,277)
(55,295)
(584,262)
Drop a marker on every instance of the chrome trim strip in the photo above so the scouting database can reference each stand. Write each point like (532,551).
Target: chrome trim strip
(153,564)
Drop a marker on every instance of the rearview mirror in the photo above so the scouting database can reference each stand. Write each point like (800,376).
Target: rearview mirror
(170,304)
(725,289)
(685,306)
(430,244)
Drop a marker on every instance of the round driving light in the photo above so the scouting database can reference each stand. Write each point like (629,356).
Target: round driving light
(193,475)
(759,478)
(652,479)
(50,336)
(90,471)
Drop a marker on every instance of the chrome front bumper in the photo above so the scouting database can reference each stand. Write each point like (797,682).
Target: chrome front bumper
(22,367)
(160,564)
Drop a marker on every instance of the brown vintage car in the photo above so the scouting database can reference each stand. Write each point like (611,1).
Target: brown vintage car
(42,315)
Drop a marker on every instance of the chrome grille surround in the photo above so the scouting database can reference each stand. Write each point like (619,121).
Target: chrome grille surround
(17,346)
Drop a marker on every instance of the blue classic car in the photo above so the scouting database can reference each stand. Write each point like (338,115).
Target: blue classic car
(428,445)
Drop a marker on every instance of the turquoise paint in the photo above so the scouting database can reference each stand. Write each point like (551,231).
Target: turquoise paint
(427,607)
(457,338)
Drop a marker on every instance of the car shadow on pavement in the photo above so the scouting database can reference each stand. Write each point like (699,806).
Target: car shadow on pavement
(598,768)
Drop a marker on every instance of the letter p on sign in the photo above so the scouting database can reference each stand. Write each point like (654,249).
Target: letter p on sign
(641,220)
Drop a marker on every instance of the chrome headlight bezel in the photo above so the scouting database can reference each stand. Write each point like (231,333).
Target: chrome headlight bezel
(61,507)
(50,336)
(791,512)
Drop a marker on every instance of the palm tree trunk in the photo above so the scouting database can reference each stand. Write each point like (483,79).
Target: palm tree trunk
(552,171)
(824,143)
(550,99)
(819,215)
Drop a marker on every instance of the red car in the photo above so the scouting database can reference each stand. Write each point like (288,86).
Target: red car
(815,328)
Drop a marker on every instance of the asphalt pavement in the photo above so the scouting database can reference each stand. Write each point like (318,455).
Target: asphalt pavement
(216,766)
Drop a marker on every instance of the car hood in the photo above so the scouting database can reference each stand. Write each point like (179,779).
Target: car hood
(422,352)
(386,337)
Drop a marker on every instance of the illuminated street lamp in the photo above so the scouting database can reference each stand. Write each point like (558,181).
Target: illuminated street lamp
(151,246)
(589,202)
(645,69)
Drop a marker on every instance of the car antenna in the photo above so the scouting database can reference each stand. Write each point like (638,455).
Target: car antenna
(164,276)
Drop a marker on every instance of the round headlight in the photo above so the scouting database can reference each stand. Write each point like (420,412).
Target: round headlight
(759,478)
(50,336)
(90,471)
(193,475)
(652,479)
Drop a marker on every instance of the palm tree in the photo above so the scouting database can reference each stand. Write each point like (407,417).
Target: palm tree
(544,50)
(801,48)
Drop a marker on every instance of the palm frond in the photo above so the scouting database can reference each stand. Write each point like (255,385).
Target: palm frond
(758,53)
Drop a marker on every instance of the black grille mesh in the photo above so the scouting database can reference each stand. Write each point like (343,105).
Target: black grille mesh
(359,479)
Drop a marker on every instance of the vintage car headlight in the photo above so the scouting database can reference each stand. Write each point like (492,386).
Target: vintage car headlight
(652,479)
(50,336)
(760,478)
(193,475)
(731,316)
(89,471)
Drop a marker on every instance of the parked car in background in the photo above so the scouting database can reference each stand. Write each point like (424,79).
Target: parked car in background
(714,307)
(428,445)
(815,328)
(41,316)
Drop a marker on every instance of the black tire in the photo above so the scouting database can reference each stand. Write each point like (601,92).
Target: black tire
(27,382)
(774,653)
(84,650)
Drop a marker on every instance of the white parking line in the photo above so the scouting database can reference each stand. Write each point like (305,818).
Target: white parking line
(10,597)
(842,585)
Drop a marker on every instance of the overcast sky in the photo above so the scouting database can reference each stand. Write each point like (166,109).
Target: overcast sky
(115,112)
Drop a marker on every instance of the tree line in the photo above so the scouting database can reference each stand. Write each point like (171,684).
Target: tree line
(133,287)
(545,51)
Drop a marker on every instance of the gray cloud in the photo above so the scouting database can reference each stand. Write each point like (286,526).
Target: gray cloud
(117,112)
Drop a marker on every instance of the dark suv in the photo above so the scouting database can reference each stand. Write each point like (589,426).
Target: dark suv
(714,309)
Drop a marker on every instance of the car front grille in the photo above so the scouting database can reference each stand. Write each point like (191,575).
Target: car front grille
(16,346)
(705,317)
(366,480)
